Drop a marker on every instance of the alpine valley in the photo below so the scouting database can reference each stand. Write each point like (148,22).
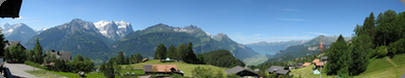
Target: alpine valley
(101,40)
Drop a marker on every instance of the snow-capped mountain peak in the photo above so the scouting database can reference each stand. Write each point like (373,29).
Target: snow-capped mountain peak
(113,29)
(18,32)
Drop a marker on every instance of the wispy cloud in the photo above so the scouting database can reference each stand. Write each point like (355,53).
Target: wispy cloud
(292,19)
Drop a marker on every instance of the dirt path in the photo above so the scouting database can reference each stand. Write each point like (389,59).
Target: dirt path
(20,70)
(389,60)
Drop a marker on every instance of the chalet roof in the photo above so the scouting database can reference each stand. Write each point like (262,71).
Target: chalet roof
(306,64)
(275,68)
(238,69)
(159,68)
(234,70)
(65,55)
(283,72)
(145,59)
(12,43)
(278,70)
(61,55)
(319,64)
(315,61)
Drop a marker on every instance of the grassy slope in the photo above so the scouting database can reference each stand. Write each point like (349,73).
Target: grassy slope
(382,68)
(378,68)
(186,68)
(306,72)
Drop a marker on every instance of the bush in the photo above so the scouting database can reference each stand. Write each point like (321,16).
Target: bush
(381,51)
(397,47)
(30,63)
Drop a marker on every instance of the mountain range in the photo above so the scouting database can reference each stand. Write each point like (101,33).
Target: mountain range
(18,32)
(271,48)
(103,39)
(310,47)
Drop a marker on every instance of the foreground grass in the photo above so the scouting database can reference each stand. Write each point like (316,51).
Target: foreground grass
(307,72)
(54,74)
(382,68)
(186,68)
(378,68)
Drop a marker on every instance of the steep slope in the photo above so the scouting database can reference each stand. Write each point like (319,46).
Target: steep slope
(113,30)
(271,48)
(145,41)
(18,32)
(76,36)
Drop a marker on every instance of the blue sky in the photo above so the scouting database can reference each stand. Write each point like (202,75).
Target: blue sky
(245,21)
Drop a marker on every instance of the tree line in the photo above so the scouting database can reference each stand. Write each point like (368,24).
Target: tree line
(376,38)
(19,54)
(183,52)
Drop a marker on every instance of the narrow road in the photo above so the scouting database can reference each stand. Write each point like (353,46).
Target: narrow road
(20,70)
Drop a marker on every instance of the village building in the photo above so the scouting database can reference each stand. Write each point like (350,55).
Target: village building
(242,72)
(12,43)
(278,70)
(306,64)
(324,59)
(66,56)
(145,59)
(162,69)
(315,61)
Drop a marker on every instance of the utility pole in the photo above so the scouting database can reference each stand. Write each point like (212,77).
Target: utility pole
(320,57)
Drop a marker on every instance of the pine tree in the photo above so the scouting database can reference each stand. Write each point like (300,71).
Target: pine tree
(336,56)
(369,28)
(138,58)
(121,58)
(180,51)
(38,52)
(387,31)
(171,53)
(361,47)
(160,52)
(190,57)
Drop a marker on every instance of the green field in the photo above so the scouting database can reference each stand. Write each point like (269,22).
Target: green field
(306,72)
(185,67)
(52,74)
(378,68)
(383,68)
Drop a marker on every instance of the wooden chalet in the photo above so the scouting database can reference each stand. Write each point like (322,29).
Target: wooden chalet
(162,69)
(242,72)
(278,70)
